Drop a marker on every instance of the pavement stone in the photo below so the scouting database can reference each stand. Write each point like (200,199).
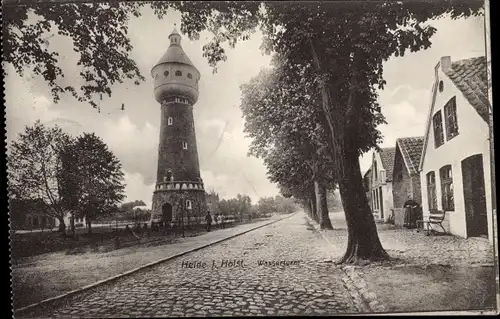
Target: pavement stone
(310,288)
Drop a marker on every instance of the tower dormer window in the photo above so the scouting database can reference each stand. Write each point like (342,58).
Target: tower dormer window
(170,121)
(190,76)
(185,145)
(165,73)
(178,73)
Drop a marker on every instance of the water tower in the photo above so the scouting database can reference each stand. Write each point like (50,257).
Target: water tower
(179,189)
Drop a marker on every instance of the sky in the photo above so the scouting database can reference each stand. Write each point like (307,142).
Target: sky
(133,134)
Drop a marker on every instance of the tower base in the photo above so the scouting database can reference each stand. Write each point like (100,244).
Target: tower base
(169,206)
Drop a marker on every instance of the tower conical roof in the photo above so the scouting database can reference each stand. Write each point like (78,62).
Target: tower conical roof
(175,53)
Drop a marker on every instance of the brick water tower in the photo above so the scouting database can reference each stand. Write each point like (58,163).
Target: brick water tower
(179,190)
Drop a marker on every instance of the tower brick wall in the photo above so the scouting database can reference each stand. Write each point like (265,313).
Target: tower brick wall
(179,191)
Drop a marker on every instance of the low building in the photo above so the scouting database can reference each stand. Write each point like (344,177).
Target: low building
(79,221)
(381,183)
(405,176)
(455,163)
(29,215)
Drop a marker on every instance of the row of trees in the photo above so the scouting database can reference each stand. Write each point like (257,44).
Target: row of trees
(310,116)
(241,206)
(64,175)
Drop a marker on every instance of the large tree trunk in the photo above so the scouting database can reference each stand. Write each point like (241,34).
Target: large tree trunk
(363,242)
(322,206)
(314,210)
(73,224)
(62,225)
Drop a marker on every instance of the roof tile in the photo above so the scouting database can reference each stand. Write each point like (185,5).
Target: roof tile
(470,76)
(411,149)
(387,157)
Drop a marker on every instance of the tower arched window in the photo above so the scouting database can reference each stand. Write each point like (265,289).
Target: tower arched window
(190,76)
(165,73)
(189,204)
(169,175)
(185,145)
(178,73)
(170,121)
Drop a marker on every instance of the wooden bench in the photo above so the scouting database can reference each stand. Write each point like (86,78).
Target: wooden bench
(436,217)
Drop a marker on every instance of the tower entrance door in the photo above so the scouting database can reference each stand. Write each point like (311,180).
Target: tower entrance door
(166,214)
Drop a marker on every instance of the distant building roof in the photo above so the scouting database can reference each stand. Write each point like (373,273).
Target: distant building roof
(387,158)
(411,150)
(470,76)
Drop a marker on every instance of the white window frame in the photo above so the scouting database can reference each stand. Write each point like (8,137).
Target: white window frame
(382,176)
(185,145)
(189,205)
(170,121)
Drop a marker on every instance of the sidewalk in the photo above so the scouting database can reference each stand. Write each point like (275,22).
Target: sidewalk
(427,273)
(49,275)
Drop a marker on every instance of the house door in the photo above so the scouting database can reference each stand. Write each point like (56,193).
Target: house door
(166,213)
(474,196)
(381,197)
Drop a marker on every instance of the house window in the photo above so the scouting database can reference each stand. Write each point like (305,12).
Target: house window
(450,115)
(165,73)
(190,76)
(188,204)
(438,129)
(170,121)
(382,177)
(431,190)
(185,145)
(447,188)
(178,73)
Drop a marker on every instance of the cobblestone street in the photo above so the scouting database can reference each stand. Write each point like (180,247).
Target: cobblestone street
(240,284)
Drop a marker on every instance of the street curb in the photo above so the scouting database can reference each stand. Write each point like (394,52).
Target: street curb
(130,272)
(366,301)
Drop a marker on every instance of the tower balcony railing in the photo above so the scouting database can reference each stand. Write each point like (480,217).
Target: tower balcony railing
(179,185)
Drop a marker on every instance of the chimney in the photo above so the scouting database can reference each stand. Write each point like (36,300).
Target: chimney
(445,63)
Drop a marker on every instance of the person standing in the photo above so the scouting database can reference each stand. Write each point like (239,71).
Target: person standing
(208,220)
(221,221)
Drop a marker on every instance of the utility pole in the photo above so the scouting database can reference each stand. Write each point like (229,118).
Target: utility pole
(182,214)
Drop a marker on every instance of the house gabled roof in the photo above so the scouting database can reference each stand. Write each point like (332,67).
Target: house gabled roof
(470,76)
(411,150)
(387,158)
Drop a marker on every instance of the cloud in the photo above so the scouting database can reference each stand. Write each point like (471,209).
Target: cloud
(137,189)
(25,107)
(135,147)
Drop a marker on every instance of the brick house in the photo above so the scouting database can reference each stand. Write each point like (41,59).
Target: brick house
(405,176)
(381,183)
(455,163)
